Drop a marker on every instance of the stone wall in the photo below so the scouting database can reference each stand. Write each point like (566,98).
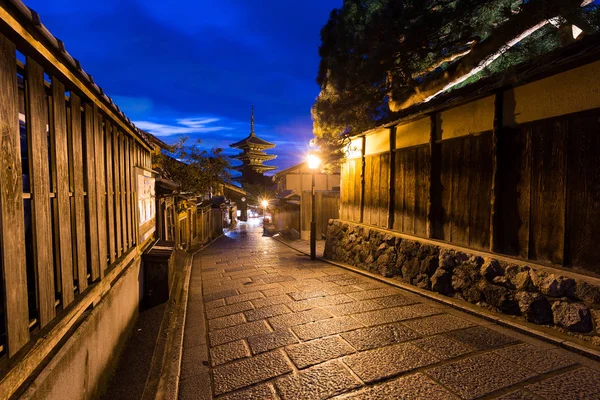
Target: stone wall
(568,303)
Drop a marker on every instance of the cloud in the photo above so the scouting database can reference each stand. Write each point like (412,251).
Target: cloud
(183,126)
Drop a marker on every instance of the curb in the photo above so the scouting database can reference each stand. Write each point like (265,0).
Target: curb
(168,387)
(567,343)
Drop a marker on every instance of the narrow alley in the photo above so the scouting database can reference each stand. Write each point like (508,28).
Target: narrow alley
(265,322)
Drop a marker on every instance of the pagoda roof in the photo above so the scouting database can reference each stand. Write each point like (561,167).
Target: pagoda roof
(253,141)
(256,167)
(255,155)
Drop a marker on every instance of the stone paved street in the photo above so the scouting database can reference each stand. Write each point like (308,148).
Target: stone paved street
(266,322)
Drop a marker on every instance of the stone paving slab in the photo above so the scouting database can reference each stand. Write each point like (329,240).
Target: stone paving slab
(266,322)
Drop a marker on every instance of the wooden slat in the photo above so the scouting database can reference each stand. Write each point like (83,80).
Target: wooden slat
(584,193)
(127,176)
(368,185)
(123,192)
(100,191)
(37,117)
(375,183)
(398,190)
(92,197)
(480,180)
(422,189)
(110,193)
(12,226)
(384,188)
(117,192)
(410,184)
(77,152)
(461,184)
(63,216)
(548,203)
(445,228)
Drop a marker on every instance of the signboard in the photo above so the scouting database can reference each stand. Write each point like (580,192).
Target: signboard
(146,201)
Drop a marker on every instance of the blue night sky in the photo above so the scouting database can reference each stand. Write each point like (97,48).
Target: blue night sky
(195,68)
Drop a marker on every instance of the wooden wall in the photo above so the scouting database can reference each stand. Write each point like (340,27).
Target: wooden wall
(67,194)
(528,190)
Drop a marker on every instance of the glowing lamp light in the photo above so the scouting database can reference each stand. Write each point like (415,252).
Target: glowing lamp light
(264,203)
(313,161)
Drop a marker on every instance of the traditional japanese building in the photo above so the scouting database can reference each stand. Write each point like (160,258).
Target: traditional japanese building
(252,157)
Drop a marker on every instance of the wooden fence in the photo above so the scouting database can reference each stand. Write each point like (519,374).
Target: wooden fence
(529,190)
(327,207)
(67,189)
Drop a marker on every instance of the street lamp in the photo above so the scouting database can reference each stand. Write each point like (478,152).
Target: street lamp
(264,203)
(313,163)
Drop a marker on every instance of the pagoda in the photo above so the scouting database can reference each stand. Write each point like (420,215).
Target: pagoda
(252,157)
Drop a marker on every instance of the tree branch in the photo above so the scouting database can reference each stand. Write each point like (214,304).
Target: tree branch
(533,16)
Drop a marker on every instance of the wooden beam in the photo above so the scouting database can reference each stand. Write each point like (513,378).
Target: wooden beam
(392,179)
(58,130)
(100,190)
(113,240)
(362,180)
(77,161)
(12,224)
(123,192)
(92,198)
(128,186)
(434,205)
(496,149)
(39,176)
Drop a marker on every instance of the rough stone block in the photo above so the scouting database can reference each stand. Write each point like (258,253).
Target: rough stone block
(370,338)
(317,351)
(377,364)
(247,372)
(229,352)
(320,382)
(417,386)
(271,340)
(535,307)
(574,317)
(479,375)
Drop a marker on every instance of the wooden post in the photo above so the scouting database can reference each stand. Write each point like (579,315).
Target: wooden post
(497,148)
(110,193)
(434,205)
(41,224)
(362,180)
(101,190)
(92,198)
(76,145)
(123,192)
(61,164)
(392,179)
(12,224)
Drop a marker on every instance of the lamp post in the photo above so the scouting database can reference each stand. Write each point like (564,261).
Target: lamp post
(264,203)
(313,164)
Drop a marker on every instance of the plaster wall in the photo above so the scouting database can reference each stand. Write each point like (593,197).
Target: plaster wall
(355,148)
(83,365)
(565,93)
(378,141)
(413,133)
(474,117)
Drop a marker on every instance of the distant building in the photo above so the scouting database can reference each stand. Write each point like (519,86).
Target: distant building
(298,178)
(252,157)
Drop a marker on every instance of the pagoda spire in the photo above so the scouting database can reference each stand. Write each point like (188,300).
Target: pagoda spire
(252,123)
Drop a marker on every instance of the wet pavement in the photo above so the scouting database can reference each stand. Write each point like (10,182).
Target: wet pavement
(265,322)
